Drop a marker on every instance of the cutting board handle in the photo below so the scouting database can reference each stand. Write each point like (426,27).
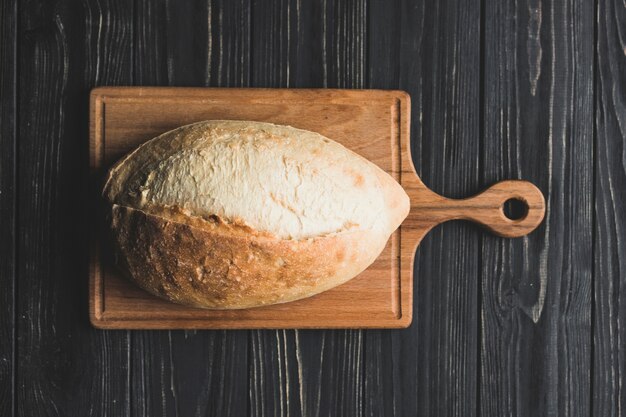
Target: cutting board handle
(486,208)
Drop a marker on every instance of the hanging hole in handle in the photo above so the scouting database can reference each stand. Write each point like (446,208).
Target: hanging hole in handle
(515,209)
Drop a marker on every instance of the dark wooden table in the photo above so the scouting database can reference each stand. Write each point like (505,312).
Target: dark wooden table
(500,89)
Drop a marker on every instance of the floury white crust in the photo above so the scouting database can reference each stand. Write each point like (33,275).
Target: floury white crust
(233,214)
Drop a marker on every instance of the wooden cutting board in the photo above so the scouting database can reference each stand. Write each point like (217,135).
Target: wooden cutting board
(373,123)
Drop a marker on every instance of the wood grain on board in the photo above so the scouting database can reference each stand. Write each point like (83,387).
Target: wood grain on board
(609,260)
(8,193)
(65,368)
(536,291)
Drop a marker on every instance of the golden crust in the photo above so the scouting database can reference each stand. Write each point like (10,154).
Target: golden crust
(213,264)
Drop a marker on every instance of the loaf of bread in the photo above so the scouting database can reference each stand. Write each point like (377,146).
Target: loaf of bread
(234,214)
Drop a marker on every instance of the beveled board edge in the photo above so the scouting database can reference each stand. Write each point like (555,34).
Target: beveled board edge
(407,239)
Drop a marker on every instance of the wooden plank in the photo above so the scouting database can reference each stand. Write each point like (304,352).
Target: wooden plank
(609,333)
(65,366)
(394,48)
(447,302)
(432,50)
(8,192)
(536,291)
(190,43)
(307,44)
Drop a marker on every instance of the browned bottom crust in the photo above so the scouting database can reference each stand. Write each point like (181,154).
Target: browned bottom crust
(210,265)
